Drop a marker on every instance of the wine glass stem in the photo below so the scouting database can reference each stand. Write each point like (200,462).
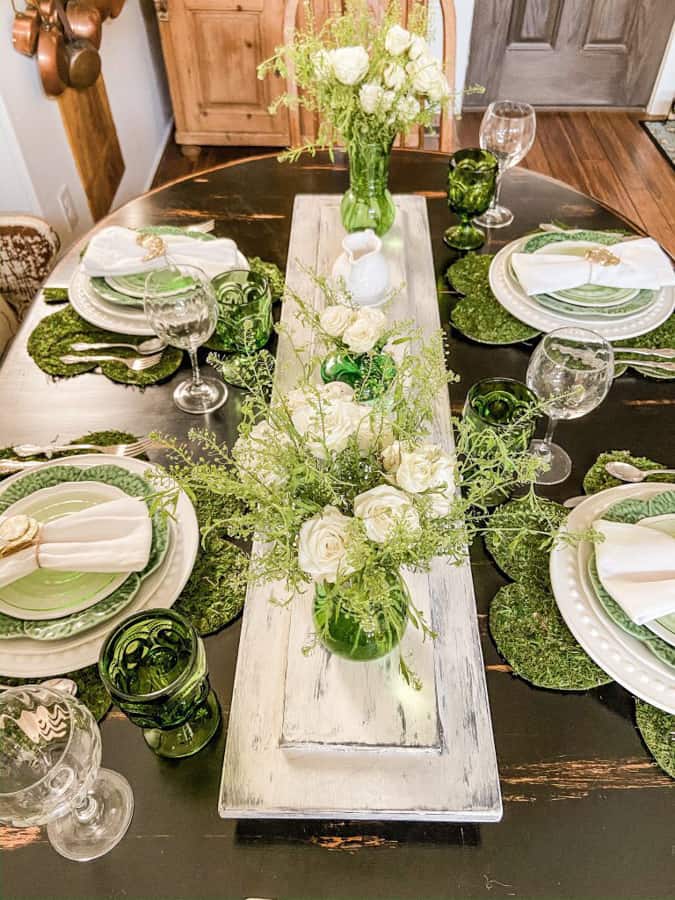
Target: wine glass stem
(87,810)
(196,376)
(498,188)
(550,428)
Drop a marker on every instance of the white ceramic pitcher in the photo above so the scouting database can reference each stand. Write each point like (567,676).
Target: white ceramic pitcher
(363,267)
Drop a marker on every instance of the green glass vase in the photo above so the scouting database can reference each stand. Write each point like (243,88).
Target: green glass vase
(154,666)
(368,203)
(341,634)
(370,376)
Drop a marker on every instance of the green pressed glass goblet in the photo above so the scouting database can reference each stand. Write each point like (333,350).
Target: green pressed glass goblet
(369,375)
(245,310)
(472,179)
(154,666)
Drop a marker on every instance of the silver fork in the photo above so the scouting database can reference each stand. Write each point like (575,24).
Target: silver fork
(664,353)
(646,364)
(133,449)
(135,363)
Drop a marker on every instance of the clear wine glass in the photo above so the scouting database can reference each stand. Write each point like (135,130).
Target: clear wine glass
(571,370)
(50,756)
(507,130)
(181,306)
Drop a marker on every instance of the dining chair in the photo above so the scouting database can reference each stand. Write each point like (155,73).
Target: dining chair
(302,125)
(28,246)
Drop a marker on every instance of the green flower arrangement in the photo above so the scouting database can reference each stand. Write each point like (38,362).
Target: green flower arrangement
(368,79)
(342,495)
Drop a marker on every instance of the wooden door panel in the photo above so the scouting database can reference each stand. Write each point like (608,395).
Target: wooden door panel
(568,52)
(218,45)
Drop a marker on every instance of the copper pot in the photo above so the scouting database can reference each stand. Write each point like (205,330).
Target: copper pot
(48,12)
(85,22)
(84,61)
(52,60)
(116,7)
(25,31)
(103,6)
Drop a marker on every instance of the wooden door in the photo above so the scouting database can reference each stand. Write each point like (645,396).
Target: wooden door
(568,52)
(212,49)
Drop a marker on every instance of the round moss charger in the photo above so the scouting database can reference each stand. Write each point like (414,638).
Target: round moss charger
(598,478)
(479,315)
(658,732)
(531,635)
(130,483)
(53,336)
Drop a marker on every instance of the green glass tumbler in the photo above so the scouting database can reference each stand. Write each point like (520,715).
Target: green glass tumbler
(500,403)
(154,666)
(472,180)
(368,203)
(244,310)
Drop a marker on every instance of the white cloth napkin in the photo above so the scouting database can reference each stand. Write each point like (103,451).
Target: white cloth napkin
(636,565)
(115,251)
(110,537)
(643,265)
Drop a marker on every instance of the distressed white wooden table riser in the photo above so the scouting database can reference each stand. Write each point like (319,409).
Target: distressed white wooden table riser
(318,736)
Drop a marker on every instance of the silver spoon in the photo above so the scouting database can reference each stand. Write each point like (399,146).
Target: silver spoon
(626,472)
(145,348)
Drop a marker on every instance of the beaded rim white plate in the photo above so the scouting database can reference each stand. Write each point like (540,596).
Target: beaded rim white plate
(515,300)
(622,657)
(28,658)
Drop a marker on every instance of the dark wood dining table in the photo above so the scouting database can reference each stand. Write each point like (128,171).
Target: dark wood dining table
(587,813)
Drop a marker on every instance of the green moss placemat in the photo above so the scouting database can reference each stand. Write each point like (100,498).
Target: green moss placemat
(598,478)
(658,732)
(535,641)
(53,336)
(272,273)
(526,560)
(479,315)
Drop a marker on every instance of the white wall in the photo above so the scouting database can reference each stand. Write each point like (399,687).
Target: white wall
(464,17)
(664,87)
(32,133)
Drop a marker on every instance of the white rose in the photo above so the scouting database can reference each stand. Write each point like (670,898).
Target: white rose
(250,456)
(366,330)
(313,395)
(374,429)
(327,426)
(382,508)
(397,40)
(391,457)
(439,89)
(408,108)
(426,469)
(323,63)
(425,73)
(388,99)
(350,64)
(370,96)
(418,47)
(394,75)
(322,545)
(335,319)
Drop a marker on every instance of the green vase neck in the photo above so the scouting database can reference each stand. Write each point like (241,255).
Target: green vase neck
(368,168)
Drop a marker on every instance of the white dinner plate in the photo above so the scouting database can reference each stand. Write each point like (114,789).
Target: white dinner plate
(624,658)
(514,299)
(27,658)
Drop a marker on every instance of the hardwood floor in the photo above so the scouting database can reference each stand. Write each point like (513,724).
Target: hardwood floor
(603,153)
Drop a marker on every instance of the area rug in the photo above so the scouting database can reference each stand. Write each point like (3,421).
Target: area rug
(663,135)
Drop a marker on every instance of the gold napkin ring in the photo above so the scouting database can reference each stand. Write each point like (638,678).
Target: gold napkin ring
(17,533)
(602,256)
(153,244)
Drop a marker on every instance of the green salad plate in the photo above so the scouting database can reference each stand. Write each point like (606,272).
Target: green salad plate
(94,597)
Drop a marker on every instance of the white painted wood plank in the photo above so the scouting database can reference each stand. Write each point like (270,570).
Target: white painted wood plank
(350,704)
(260,777)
